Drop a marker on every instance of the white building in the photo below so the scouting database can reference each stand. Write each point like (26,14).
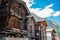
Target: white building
(50,32)
(31,27)
(57,37)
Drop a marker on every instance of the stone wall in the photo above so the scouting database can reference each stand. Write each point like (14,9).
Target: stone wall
(8,38)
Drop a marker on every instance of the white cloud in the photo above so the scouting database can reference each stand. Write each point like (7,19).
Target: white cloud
(49,6)
(29,2)
(44,13)
(56,14)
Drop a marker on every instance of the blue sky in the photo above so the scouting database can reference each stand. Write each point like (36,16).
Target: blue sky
(49,9)
(43,3)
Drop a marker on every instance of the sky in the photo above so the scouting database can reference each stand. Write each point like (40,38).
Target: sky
(49,9)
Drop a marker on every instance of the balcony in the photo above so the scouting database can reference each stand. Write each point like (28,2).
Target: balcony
(15,14)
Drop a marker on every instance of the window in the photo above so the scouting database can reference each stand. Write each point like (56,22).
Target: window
(17,11)
(22,11)
(30,26)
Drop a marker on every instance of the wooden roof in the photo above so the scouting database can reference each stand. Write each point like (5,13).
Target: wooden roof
(44,23)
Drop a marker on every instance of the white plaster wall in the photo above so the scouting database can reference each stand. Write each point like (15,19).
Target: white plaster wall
(49,37)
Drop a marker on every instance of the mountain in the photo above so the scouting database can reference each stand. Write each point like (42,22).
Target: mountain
(50,23)
(37,18)
(54,25)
